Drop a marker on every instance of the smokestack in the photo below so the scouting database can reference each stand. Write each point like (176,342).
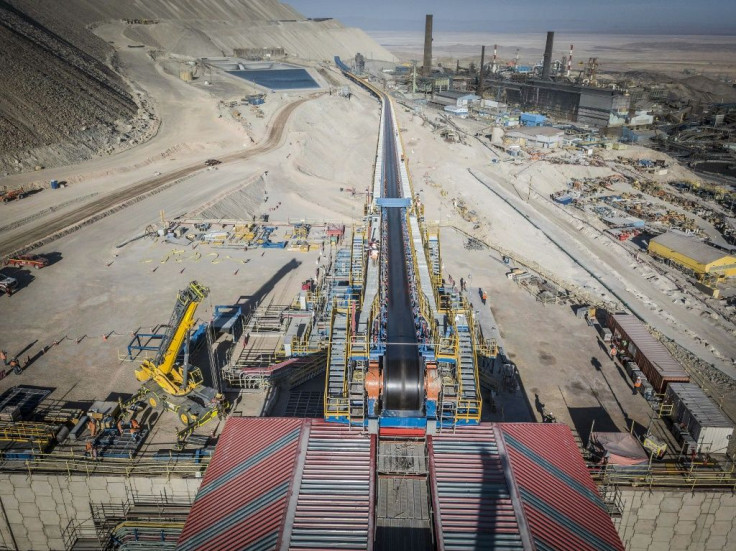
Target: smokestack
(427,67)
(480,77)
(547,55)
(569,62)
(494,66)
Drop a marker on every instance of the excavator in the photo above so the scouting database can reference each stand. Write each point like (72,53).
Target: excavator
(179,387)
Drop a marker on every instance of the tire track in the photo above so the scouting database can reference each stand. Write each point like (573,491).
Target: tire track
(113,202)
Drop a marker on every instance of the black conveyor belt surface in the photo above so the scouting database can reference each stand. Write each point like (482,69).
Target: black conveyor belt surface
(402,368)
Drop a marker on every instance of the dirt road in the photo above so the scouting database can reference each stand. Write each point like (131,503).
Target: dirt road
(47,228)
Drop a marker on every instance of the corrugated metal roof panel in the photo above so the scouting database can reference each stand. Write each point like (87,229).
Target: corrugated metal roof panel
(693,248)
(650,347)
(697,402)
(474,506)
(243,496)
(561,502)
(333,507)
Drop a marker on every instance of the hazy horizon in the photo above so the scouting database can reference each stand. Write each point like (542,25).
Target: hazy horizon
(628,17)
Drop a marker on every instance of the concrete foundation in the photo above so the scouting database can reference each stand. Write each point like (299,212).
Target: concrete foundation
(678,520)
(35,509)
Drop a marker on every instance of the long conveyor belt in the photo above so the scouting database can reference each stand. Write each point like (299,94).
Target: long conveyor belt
(402,368)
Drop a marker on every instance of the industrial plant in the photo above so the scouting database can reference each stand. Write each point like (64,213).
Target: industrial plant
(282,284)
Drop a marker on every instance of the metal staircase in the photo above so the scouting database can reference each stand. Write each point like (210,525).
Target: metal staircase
(336,400)
(357,259)
(469,402)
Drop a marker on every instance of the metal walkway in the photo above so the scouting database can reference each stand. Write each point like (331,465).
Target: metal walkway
(425,282)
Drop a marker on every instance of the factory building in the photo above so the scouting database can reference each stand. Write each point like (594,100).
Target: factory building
(597,107)
(692,255)
(536,136)
(455,98)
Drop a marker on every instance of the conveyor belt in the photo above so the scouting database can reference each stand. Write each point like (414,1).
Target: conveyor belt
(402,368)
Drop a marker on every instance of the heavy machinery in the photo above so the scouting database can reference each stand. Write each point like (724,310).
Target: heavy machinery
(14,194)
(178,386)
(33,260)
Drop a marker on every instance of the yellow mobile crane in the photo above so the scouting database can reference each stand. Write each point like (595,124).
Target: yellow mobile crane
(179,388)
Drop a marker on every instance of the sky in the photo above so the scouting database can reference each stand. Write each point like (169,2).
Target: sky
(593,16)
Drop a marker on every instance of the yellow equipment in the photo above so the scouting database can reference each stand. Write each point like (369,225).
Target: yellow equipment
(654,446)
(173,379)
(179,388)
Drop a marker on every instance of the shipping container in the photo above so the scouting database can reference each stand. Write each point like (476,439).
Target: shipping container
(650,355)
(704,421)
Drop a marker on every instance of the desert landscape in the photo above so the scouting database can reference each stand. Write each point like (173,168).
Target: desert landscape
(139,166)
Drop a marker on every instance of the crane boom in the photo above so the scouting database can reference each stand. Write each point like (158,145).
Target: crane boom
(163,368)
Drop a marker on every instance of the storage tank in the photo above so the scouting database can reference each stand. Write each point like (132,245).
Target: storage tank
(705,422)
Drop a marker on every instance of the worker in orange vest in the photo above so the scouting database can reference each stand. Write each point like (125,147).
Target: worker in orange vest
(135,429)
(637,385)
(613,352)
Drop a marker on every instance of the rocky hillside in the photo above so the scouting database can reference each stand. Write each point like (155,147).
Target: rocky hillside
(62,100)
(58,99)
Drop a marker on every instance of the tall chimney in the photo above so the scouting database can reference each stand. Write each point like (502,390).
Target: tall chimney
(480,77)
(427,67)
(569,62)
(494,67)
(547,55)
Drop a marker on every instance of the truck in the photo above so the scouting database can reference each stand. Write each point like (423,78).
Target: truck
(34,260)
(14,194)
(8,284)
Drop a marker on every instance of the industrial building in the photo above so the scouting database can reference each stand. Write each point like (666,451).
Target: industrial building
(693,256)
(454,97)
(285,483)
(597,107)
(536,136)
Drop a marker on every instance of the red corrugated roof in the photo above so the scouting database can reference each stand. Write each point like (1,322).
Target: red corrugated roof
(243,496)
(561,503)
(471,494)
(310,484)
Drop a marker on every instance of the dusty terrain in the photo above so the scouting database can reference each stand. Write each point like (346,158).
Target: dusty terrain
(69,96)
(515,214)
(59,101)
(312,145)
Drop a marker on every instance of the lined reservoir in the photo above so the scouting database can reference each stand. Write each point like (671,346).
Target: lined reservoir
(275,76)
